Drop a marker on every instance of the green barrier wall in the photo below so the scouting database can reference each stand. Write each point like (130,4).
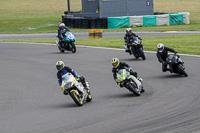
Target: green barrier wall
(149,20)
(118,22)
(175,19)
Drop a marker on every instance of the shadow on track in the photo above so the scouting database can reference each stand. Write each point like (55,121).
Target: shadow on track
(61,106)
(60,53)
(121,95)
(131,59)
(168,76)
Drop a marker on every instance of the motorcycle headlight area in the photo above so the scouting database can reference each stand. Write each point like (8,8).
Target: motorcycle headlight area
(68,85)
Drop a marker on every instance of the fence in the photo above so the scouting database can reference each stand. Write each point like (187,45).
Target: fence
(126,21)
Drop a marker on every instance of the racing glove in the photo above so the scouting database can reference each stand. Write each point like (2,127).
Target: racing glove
(62,88)
(164,63)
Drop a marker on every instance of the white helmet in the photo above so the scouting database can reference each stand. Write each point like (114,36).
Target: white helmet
(160,47)
(61,25)
(128,30)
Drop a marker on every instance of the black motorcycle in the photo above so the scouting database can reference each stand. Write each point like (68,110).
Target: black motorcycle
(136,48)
(176,64)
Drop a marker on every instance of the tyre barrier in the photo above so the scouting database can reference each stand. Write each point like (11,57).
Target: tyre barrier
(98,33)
(85,22)
(91,33)
(95,33)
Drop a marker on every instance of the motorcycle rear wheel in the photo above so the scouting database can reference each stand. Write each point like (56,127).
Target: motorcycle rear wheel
(181,70)
(76,98)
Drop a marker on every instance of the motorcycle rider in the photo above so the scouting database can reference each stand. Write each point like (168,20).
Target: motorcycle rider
(61,33)
(117,65)
(62,70)
(129,36)
(162,53)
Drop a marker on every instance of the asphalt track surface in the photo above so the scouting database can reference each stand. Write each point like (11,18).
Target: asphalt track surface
(86,34)
(32,102)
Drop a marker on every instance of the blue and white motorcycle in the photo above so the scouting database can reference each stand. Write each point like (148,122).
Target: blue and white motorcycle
(136,48)
(68,44)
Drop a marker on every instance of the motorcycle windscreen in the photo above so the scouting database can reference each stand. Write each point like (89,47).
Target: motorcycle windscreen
(67,80)
(69,36)
(122,75)
(171,59)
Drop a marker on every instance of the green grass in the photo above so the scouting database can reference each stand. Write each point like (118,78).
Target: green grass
(43,16)
(185,44)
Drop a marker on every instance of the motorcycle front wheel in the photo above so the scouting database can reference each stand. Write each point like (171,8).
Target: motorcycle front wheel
(134,53)
(133,89)
(180,69)
(73,47)
(89,97)
(61,50)
(75,96)
(142,53)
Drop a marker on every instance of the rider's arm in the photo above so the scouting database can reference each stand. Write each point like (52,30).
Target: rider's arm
(171,50)
(125,64)
(135,35)
(70,70)
(114,74)
(59,79)
(159,58)
(60,34)
(126,39)
(67,29)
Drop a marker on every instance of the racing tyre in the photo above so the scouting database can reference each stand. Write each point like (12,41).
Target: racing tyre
(76,98)
(134,54)
(61,50)
(73,47)
(142,53)
(133,89)
(180,69)
(89,97)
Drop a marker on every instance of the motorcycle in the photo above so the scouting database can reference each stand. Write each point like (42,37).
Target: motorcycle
(68,45)
(136,48)
(176,64)
(75,89)
(130,82)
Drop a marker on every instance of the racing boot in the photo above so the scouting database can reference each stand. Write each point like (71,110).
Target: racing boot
(141,80)
(126,48)
(65,92)
(86,86)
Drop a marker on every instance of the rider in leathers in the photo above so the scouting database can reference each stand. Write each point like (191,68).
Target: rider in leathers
(162,54)
(61,33)
(117,65)
(128,38)
(62,70)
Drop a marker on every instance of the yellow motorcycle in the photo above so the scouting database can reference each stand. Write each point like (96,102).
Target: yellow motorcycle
(75,89)
(130,82)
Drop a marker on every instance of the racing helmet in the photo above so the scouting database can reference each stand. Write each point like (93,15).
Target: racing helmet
(62,25)
(115,62)
(60,65)
(128,30)
(160,47)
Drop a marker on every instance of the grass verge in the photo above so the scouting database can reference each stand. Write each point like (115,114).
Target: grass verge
(184,44)
(43,16)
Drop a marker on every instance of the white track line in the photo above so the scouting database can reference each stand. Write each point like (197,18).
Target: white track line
(93,47)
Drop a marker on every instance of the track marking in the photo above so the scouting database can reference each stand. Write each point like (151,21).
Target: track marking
(92,47)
